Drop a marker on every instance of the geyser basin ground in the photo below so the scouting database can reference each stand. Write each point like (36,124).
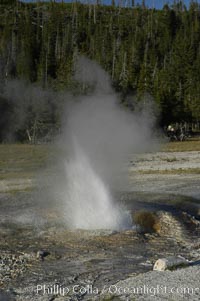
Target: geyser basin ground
(83,257)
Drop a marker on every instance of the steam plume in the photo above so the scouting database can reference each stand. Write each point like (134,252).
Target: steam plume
(99,136)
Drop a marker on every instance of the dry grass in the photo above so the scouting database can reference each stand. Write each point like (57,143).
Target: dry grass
(146,221)
(189,145)
(22,160)
(15,175)
(179,171)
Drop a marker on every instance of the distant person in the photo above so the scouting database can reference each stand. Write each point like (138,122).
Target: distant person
(171,132)
(170,129)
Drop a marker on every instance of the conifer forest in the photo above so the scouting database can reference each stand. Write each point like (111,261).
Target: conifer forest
(146,52)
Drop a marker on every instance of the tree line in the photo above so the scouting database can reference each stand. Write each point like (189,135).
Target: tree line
(145,51)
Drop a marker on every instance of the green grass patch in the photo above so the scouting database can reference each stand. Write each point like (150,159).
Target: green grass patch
(111,298)
(173,159)
(15,191)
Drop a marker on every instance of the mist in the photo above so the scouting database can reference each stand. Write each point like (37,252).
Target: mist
(26,111)
(99,136)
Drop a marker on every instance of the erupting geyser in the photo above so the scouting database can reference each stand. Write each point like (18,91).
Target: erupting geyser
(88,198)
(99,136)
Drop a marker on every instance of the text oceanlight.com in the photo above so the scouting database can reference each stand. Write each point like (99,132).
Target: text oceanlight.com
(115,290)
